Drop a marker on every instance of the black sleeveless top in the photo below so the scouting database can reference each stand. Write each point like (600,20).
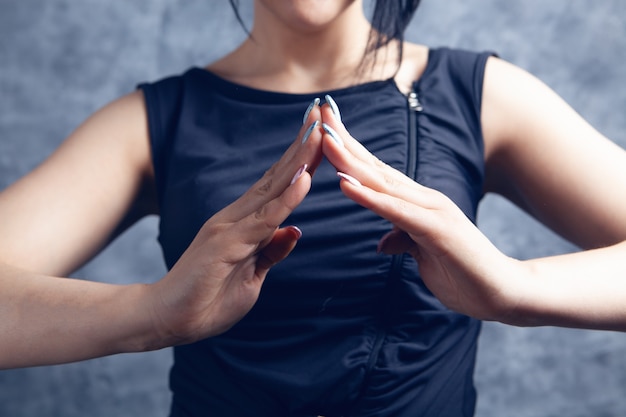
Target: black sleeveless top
(337,328)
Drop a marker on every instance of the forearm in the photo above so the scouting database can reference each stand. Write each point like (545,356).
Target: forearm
(48,320)
(585,290)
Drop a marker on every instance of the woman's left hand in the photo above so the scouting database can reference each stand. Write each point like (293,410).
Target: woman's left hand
(456,261)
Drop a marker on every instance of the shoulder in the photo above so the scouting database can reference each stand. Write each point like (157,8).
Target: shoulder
(459,64)
(513,102)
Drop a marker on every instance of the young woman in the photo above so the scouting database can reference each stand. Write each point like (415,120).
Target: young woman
(417,136)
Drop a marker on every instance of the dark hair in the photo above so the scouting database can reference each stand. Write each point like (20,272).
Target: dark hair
(389,22)
(390,19)
(235,6)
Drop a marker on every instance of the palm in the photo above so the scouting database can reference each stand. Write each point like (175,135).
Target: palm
(218,278)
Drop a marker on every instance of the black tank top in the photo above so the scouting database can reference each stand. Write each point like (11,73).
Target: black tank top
(335,317)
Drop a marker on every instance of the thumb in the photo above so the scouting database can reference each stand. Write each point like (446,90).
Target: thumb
(282,243)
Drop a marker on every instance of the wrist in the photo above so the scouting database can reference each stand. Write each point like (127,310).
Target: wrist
(166,321)
(535,297)
(140,334)
(519,303)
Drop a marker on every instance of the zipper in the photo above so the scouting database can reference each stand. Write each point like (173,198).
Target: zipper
(414,107)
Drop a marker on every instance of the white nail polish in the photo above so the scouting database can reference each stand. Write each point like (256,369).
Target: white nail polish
(350,179)
(333,134)
(299,174)
(333,106)
(308,132)
(314,103)
(297,230)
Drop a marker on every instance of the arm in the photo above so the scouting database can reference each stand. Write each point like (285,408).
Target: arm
(57,217)
(534,151)
(553,164)
(62,213)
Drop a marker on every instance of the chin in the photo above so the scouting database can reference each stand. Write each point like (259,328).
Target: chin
(308,15)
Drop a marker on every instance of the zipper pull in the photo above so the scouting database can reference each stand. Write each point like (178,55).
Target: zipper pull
(414,102)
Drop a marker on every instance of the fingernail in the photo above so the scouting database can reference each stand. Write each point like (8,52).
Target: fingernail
(332,134)
(299,174)
(333,106)
(314,103)
(309,131)
(297,230)
(350,179)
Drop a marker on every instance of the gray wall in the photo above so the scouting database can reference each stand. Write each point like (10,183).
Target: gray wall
(60,60)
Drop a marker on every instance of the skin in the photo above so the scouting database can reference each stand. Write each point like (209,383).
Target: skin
(215,283)
(531,165)
(533,147)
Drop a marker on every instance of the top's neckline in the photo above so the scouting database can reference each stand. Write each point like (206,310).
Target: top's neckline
(236,90)
(233,89)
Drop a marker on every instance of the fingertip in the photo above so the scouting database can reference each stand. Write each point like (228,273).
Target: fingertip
(295,230)
(314,103)
(309,130)
(328,115)
(295,193)
(280,246)
(299,173)
(333,134)
(333,107)
(350,179)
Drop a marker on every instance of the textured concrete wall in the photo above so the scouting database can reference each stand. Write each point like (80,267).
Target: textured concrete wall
(60,60)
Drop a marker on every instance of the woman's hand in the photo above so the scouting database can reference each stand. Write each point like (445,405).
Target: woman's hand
(456,261)
(49,320)
(218,278)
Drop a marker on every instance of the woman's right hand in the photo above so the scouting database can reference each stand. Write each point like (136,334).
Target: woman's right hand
(218,278)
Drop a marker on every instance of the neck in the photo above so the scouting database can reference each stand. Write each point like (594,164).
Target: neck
(303,56)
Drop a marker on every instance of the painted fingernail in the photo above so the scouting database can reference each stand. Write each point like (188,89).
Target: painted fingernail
(332,134)
(309,131)
(297,230)
(314,103)
(333,106)
(299,174)
(350,179)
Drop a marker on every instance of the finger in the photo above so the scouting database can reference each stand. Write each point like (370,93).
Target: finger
(429,228)
(343,139)
(278,178)
(312,115)
(248,236)
(258,227)
(349,156)
(347,152)
(282,243)
(404,215)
